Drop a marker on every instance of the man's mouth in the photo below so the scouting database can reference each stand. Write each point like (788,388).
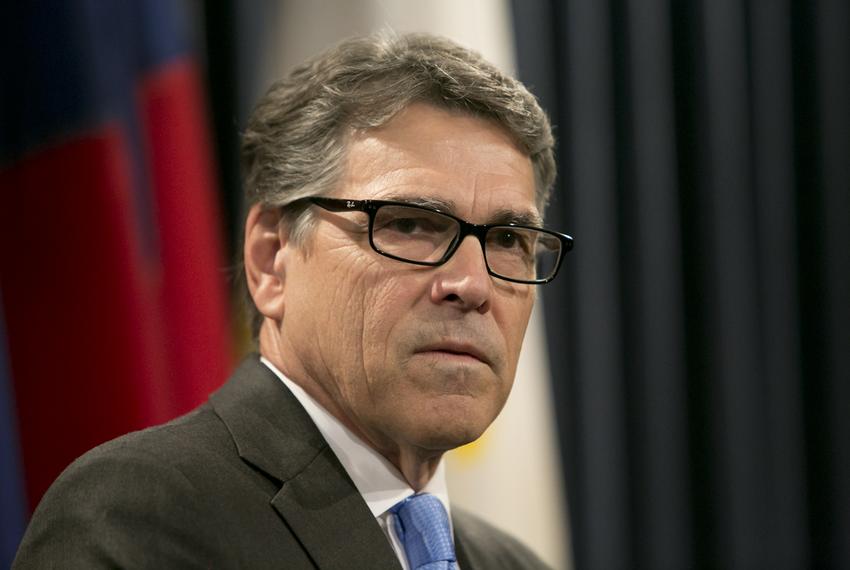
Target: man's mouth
(455,351)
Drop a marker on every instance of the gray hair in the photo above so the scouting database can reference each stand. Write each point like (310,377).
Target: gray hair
(295,142)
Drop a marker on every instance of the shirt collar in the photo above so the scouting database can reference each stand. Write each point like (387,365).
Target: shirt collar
(377,480)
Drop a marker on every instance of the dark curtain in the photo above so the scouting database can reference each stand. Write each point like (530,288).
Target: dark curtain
(700,331)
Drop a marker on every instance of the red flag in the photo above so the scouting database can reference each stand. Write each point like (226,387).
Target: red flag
(112,269)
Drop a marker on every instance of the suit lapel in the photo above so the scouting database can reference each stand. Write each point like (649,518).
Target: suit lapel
(317,499)
(331,519)
(473,548)
(465,558)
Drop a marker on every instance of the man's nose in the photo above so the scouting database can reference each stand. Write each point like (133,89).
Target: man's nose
(463,280)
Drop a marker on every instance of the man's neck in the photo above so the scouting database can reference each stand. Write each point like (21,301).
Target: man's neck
(417,470)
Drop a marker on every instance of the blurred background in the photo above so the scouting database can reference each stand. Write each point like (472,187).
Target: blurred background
(683,398)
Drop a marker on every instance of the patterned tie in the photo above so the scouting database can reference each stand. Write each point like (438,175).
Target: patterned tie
(422,525)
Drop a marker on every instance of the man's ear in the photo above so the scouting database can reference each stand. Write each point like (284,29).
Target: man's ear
(264,267)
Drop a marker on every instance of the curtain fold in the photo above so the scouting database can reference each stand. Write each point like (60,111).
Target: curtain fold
(700,334)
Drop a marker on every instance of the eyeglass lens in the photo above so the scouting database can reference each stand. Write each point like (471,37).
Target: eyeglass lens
(421,235)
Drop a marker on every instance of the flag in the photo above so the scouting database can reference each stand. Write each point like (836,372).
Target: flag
(13,512)
(111,267)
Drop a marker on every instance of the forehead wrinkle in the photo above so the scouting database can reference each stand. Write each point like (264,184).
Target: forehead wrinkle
(405,173)
(485,189)
(390,183)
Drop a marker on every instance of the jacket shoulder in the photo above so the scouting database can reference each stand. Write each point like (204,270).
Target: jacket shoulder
(482,545)
(135,498)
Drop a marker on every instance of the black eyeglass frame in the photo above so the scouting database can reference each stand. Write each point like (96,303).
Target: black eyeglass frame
(371,208)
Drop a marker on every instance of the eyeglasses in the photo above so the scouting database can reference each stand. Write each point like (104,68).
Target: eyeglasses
(425,236)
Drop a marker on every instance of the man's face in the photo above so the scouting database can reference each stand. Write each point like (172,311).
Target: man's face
(412,355)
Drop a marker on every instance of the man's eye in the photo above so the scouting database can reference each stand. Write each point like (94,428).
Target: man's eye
(405,225)
(510,241)
(410,225)
(506,239)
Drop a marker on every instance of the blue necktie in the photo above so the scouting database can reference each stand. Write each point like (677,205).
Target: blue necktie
(422,525)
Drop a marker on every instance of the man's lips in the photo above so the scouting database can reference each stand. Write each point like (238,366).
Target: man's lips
(459,349)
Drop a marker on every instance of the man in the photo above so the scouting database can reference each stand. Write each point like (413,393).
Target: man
(392,253)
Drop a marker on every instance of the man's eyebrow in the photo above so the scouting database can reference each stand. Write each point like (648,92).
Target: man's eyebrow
(436,203)
(527,218)
(519,218)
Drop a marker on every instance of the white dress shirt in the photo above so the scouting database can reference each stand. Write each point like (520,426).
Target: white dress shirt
(379,482)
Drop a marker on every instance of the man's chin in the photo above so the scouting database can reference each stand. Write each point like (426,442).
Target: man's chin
(449,435)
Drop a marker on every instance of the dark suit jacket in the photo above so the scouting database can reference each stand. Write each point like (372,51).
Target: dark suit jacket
(244,481)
